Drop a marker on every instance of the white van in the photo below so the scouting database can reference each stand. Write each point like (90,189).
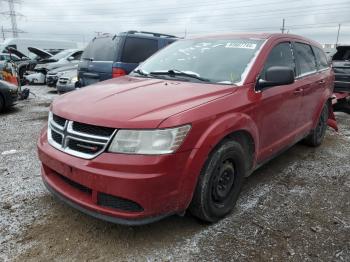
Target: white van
(22,44)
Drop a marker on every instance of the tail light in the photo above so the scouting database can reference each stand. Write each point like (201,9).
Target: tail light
(117,72)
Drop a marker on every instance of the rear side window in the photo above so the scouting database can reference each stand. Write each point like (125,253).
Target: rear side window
(102,49)
(280,55)
(321,58)
(137,50)
(305,59)
(342,54)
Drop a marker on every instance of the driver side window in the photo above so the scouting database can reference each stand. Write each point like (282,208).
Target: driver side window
(280,55)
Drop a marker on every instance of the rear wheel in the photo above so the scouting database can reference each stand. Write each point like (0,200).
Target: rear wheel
(220,182)
(316,136)
(2,103)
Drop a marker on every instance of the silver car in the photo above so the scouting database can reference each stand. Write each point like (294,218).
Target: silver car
(67,82)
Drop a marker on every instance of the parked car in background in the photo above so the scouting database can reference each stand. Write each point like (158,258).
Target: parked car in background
(68,57)
(181,132)
(22,44)
(8,94)
(341,67)
(53,75)
(110,56)
(9,57)
(67,82)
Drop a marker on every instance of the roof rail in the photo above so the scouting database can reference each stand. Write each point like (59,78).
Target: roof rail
(151,33)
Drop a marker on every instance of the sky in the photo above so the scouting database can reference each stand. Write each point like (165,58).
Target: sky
(81,20)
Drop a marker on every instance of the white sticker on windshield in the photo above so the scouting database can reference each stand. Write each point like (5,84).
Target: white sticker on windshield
(241,45)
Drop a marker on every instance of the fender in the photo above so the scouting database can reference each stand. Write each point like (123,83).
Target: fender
(207,142)
(326,98)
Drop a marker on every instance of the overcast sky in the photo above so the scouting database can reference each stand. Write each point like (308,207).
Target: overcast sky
(79,20)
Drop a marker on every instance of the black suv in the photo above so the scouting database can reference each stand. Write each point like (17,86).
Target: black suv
(109,56)
(341,66)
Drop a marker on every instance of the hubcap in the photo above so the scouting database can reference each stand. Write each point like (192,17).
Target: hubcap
(223,181)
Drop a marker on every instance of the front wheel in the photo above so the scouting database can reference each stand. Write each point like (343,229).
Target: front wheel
(220,182)
(316,136)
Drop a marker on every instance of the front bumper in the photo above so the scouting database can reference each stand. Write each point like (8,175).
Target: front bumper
(63,88)
(154,183)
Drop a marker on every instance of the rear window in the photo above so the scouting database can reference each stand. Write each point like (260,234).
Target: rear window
(343,53)
(137,50)
(102,49)
(305,59)
(321,58)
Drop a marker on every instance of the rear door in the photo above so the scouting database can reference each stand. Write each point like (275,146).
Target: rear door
(313,83)
(97,60)
(136,50)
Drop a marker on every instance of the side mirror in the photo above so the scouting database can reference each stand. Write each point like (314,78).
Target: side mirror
(276,76)
(71,58)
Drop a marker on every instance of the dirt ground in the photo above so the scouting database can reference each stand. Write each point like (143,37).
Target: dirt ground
(296,207)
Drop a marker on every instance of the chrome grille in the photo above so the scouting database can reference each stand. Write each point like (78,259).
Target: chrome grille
(78,139)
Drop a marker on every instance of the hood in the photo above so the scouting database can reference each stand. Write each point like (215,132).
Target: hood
(64,68)
(131,102)
(39,52)
(17,53)
(58,65)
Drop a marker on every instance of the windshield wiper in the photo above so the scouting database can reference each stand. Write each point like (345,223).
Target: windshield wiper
(139,71)
(175,72)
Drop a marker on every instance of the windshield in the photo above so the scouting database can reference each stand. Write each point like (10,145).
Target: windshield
(61,54)
(218,60)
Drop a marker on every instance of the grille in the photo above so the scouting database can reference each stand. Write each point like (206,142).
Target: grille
(92,130)
(84,147)
(59,120)
(56,137)
(107,200)
(78,139)
(75,184)
(341,70)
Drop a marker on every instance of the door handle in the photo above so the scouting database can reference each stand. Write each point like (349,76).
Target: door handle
(298,91)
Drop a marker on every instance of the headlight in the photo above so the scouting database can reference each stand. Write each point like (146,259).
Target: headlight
(149,142)
(74,79)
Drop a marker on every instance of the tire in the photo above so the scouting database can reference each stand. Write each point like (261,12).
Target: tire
(2,103)
(316,136)
(220,182)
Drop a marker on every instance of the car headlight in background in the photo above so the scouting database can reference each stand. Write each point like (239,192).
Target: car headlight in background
(149,142)
(74,79)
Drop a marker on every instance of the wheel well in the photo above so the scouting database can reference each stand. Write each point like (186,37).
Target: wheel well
(247,142)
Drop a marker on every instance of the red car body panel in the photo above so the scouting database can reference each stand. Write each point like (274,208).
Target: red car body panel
(274,119)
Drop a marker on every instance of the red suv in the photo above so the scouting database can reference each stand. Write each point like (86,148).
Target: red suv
(184,129)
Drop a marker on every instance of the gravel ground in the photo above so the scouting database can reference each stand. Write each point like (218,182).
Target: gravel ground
(296,207)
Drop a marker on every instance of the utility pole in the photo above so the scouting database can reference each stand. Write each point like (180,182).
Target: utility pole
(336,43)
(13,16)
(3,33)
(283,27)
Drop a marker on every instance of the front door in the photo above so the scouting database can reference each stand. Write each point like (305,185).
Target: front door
(279,106)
